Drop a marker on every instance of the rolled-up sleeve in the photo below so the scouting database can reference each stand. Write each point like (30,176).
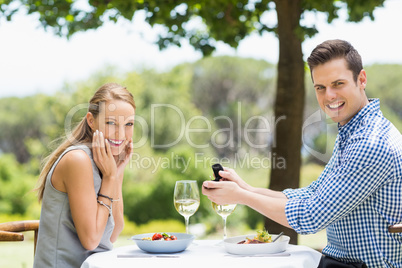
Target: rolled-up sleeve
(301,193)
(294,208)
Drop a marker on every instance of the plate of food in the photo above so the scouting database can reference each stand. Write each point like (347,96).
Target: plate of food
(260,243)
(163,242)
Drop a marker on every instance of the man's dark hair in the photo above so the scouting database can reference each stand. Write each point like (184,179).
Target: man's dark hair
(336,49)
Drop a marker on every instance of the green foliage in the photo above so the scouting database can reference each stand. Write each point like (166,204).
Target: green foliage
(167,106)
(238,89)
(223,20)
(15,186)
(21,118)
(154,199)
(386,85)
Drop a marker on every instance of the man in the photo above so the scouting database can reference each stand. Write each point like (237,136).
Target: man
(358,195)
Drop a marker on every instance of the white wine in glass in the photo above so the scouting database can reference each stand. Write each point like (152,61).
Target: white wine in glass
(224,211)
(186,199)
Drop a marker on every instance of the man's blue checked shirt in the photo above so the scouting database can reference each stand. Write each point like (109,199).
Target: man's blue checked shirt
(358,195)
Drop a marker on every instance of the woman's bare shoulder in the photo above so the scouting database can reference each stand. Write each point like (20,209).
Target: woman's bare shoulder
(75,166)
(75,158)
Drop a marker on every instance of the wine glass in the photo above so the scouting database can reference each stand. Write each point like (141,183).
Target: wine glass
(224,211)
(186,199)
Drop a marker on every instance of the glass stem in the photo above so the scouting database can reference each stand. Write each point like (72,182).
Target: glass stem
(224,228)
(186,220)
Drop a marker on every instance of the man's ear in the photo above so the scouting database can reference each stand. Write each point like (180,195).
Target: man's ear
(90,120)
(362,79)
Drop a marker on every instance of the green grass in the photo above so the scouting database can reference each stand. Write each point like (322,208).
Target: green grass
(16,254)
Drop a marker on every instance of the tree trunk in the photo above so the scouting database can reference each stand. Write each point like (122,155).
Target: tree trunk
(289,105)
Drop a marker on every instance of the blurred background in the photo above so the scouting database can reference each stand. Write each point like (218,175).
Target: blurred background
(45,79)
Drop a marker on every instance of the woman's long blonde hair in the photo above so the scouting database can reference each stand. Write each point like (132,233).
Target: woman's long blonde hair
(82,133)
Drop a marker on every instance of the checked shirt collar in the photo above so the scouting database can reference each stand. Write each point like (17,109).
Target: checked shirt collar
(346,130)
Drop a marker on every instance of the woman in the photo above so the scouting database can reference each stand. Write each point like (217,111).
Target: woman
(80,185)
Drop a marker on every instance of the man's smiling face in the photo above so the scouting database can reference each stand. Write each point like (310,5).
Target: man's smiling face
(338,94)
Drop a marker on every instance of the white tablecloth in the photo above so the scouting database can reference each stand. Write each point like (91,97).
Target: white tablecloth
(202,253)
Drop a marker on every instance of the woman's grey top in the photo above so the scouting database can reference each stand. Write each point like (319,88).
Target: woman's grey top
(58,244)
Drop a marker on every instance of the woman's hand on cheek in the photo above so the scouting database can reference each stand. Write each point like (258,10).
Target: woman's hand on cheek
(102,155)
(124,158)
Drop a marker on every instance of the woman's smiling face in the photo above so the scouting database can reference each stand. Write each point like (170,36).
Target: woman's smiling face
(116,122)
(338,94)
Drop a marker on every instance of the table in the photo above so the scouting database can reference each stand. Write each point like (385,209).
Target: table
(202,253)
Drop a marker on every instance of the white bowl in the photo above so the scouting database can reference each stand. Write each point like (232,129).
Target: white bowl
(160,246)
(232,246)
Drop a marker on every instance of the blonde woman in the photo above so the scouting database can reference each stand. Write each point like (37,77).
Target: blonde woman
(80,185)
